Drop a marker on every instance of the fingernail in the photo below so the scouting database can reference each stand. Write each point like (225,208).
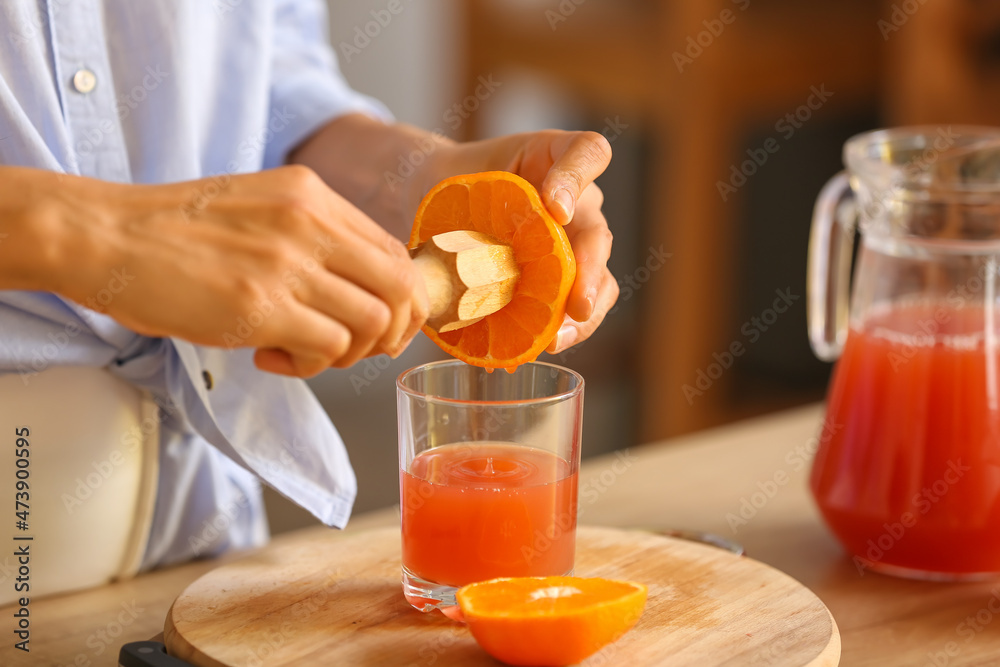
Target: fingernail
(566,337)
(564,199)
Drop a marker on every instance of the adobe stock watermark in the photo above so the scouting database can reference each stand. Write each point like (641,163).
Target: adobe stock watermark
(920,504)
(24,29)
(898,17)
(264,307)
(363,35)
(266,644)
(775,651)
(460,112)
(593,488)
(431,651)
(124,106)
(487,423)
(120,279)
(786,126)
(86,485)
(43,356)
(453,117)
(906,346)
(933,324)
(562,12)
(613,128)
(968,629)
(609,655)
(7,569)
(223,7)
(250,146)
(796,458)
(630,283)
(590,492)
(628,286)
(752,330)
(874,205)
(287,450)
(219,523)
(109,636)
(370,370)
(714,27)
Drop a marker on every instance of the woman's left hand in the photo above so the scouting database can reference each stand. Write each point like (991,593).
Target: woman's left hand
(562,166)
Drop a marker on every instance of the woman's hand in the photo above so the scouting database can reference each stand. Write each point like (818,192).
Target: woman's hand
(274,260)
(563,166)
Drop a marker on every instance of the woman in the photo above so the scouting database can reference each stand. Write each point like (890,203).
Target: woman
(193,200)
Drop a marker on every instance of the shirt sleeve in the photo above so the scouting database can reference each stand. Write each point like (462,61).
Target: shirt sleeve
(307,88)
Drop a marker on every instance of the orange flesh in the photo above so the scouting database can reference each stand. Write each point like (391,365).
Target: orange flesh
(508,208)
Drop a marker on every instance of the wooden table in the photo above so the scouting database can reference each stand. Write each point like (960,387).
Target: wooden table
(692,482)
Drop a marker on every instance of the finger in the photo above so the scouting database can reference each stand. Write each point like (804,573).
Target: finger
(397,285)
(274,361)
(280,362)
(309,341)
(573,332)
(341,212)
(419,312)
(591,240)
(365,316)
(323,203)
(566,337)
(578,158)
(391,279)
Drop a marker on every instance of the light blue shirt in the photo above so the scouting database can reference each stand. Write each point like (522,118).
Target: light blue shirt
(156,91)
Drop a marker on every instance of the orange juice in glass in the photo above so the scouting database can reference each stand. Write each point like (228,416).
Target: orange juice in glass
(488,475)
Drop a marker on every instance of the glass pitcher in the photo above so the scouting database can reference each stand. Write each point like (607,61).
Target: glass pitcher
(907,474)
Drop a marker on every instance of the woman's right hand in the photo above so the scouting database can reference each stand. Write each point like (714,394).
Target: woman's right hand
(274,260)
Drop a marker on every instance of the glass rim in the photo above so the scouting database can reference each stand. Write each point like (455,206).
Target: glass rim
(540,400)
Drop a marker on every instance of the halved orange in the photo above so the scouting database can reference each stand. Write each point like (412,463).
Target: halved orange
(508,208)
(549,620)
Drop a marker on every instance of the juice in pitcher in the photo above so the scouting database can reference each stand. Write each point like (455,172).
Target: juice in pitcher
(909,479)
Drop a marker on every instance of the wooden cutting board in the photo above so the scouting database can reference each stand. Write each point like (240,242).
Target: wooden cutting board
(339,601)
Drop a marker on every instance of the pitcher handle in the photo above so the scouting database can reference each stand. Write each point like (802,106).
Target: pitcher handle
(831,246)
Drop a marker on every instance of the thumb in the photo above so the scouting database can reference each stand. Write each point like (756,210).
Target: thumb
(580,157)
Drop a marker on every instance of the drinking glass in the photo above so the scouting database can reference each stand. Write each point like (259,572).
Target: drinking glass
(488,471)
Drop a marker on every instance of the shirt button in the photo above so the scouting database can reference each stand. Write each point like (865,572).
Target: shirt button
(209,380)
(84,81)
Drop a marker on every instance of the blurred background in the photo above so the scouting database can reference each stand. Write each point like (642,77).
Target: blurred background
(726,117)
